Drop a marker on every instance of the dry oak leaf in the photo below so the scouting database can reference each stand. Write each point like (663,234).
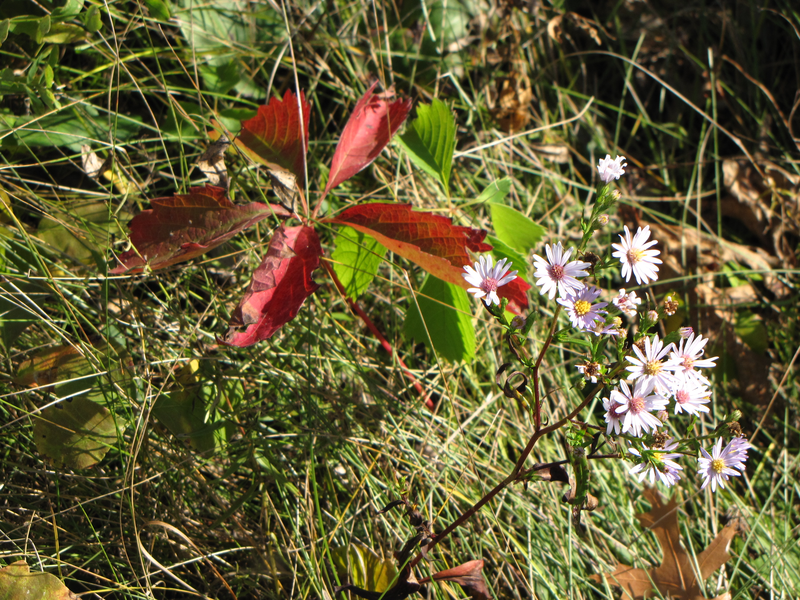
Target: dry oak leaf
(184,226)
(675,576)
(279,286)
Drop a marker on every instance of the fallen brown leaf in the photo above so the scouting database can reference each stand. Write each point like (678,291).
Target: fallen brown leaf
(675,576)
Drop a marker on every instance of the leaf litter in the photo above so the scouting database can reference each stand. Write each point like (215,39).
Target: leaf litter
(676,576)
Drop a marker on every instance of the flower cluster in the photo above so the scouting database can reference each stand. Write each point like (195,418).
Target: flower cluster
(653,374)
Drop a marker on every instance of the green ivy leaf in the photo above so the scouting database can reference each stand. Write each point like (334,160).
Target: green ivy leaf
(445,322)
(356,259)
(514,228)
(430,141)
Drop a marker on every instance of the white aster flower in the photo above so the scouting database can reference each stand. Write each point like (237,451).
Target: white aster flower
(582,313)
(638,406)
(658,464)
(627,303)
(611,169)
(635,257)
(691,396)
(487,278)
(739,448)
(720,465)
(557,274)
(614,413)
(647,365)
(686,359)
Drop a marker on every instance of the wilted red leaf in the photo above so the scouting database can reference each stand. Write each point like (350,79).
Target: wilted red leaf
(469,576)
(179,228)
(675,576)
(373,123)
(278,135)
(280,285)
(431,241)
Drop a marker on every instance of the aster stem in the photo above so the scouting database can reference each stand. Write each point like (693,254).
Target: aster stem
(537,409)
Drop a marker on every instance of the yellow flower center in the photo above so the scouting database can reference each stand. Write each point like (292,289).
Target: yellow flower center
(658,456)
(652,368)
(717,465)
(582,308)
(635,255)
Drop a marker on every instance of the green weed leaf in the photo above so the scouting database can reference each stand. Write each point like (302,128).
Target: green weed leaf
(363,567)
(18,583)
(502,250)
(71,8)
(158,9)
(355,260)
(752,331)
(92,19)
(445,322)
(42,27)
(75,433)
(495,192)
(4,26)
(430,141)
(514,228)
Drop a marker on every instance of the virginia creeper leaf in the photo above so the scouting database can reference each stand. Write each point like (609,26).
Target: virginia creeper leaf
(278,134)
(279,286)
(355,260)
(443,320)
(429,240)
(180,228)
(373,123)
(18,583)
(675,576)
(514,228)
(431,140)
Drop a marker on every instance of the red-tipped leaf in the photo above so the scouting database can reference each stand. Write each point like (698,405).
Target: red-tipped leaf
(372,125)
(428,240)
(278,134)
(184,226)
(279,286)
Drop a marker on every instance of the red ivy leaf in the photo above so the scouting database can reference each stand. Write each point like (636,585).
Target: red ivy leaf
(517,293)
(280,285)
(275,135)
(184,226)
(431,241)
(373,123)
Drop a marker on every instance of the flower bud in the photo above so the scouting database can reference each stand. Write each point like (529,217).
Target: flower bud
(653,315)
(685,332)
(663,416)
(517,322)
(602,219)
(670,305)
(615,195)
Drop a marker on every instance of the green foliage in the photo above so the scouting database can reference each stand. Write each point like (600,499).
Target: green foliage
(18,583)
(443,320)
(752,331)
(364,568)
(430,141)
(75,433)
(356,258)
(515,229)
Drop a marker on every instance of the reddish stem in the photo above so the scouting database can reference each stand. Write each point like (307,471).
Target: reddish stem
(424,396)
